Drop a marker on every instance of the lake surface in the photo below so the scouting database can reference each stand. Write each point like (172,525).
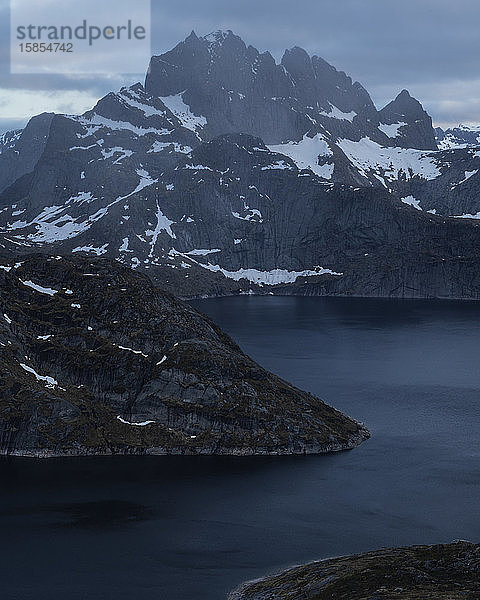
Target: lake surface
(192,528)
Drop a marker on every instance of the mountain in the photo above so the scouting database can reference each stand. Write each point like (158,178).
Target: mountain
(463,136)
(413,126)
(228,173)
(94,359)
(235,89)
(441,572)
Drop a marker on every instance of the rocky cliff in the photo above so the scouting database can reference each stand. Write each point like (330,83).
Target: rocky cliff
(94,359)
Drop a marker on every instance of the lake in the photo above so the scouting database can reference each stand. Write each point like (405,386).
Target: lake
(192,528)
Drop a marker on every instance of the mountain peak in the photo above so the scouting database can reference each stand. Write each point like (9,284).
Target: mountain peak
(294,57)
(219,36)
(404,95)
(408,110)
(298,50)
(405,105)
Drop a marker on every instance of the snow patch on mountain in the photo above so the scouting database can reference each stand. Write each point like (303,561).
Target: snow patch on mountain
(279,165)
(91,249)
(82,198)
(336,113)
(253,214)
(54,224)
(50,382)
(163,224)
(108,153)
(411,201)
(305,154)
(463,136)
(39,288)
(391,131)
(127,349)
(197,167)
(202,252)
(9,139)
(51,225)
(124,246)
(141,424)
(467,216)
(272,277)
(182,111)
(368,157)
(467,176)
(96,122)
(159,146)
(131,98)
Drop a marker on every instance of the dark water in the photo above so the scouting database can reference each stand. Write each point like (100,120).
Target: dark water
(192,528)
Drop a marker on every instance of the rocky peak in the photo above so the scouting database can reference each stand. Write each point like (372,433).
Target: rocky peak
(238,89)
(222,37)
(416,124)
(297,61)
(403,107)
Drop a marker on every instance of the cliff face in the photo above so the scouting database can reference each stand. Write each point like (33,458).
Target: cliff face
(235,215)
(240,90)
(417,129)
(95,360)
(442,572)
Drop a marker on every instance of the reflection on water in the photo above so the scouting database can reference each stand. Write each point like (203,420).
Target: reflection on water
(103,515)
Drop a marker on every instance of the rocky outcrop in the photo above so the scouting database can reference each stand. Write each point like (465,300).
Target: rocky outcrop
(442,572)
(416,130)
(94,359)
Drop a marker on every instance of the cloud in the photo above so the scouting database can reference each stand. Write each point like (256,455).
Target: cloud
(427,46)
(18,104)
(11,124)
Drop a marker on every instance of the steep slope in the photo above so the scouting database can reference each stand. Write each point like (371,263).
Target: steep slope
(20,152)
(454,192)
(95,360)
(405,120)
(236,89)
(442,572)
(233,216)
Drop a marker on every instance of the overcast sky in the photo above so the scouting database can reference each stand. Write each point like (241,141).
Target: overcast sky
(430,47)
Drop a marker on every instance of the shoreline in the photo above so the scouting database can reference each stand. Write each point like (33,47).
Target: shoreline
(361,436)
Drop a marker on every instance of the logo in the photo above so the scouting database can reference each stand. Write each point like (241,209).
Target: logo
(107,37)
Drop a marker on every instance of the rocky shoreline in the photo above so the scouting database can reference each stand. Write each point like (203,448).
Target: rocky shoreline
(96,360)
(438,572)
(354,441)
